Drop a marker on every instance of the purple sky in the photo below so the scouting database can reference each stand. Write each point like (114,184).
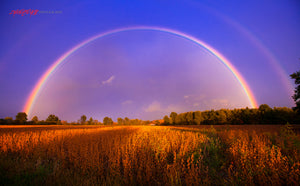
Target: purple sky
(146,74)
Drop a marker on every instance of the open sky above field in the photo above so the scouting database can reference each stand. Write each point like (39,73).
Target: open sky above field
(145,59)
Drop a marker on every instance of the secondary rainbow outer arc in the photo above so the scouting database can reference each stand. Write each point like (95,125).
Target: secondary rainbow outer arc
(271,58)
(38,86)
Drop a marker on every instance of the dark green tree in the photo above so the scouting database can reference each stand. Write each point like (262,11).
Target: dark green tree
(264,108)
(189,118)
(179,119)
(120,121)
(166,120)
(245,115)
(8,120)
(91,121)
(197,118)
(283,115)
(126,121)
(35,119)
(157,122)
(21,117)
(52,118)
(220,117)
(296,96)
(173,116)
(265,113)
(83,119)
(205,118)
(107,121)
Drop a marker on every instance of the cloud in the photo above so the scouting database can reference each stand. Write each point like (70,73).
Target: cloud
(196,104)
(174,108)
(220,101)
(127,102)
(186,97)
(154,107)
(109,81)
(197,97)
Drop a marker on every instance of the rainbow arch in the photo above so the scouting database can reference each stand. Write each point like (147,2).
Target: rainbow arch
(43,79)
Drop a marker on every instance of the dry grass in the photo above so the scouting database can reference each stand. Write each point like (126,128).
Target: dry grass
(128,155)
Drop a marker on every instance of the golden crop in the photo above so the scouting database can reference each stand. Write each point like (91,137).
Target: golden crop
(135,155)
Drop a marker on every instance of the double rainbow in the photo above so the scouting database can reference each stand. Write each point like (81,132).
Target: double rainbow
(42,81)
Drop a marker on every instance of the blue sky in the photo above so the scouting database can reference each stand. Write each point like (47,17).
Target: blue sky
(246,32)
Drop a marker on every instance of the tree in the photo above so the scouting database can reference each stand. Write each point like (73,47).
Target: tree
(35,119)
(245,115)
(83,119)
(265,113)
(8,120)
(126,121)
(120,121)
(21,117)
(189,118)
(52,118)
(283,115)
(173,116)
(212,117)
(91,121)
(205,117)
(107,121)
(197,118)
(264,108)
(221,117)
(296,96)
(157,122)
(166,120)
(179,119)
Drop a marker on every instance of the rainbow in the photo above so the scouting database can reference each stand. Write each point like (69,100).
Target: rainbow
(267,53)
(41,82)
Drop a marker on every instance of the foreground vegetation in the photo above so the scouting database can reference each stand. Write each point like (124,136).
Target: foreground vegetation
(149,155)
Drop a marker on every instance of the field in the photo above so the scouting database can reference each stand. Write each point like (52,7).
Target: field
(150,155)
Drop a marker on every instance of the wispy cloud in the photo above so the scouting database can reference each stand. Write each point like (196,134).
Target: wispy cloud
(186,97)
(197,97)
(127,102)
(154,107)
(196,104)
(174,108)
(109,80)
(220,101)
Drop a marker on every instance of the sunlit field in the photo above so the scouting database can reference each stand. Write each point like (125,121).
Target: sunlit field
(149,155)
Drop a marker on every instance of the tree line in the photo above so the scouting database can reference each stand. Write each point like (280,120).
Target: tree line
(22,119)
(263,115)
